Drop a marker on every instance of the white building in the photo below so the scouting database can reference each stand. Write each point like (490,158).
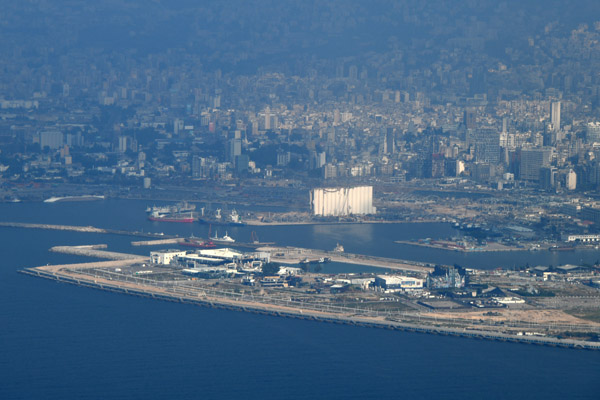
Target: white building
(164,257)
(593,132)
(571,180)
(395,283)
(555,115)
(342,201)
(583,238)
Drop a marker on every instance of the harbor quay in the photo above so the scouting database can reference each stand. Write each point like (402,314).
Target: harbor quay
(206,286)
(296,255)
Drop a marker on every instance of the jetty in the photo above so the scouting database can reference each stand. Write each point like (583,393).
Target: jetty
(83,229)
(95,251)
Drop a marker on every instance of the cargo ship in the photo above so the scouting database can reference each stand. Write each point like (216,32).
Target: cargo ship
(232,219)
(179,208)
(197,242)
(187,218)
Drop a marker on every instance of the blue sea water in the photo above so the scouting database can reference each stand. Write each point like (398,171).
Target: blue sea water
(59,341)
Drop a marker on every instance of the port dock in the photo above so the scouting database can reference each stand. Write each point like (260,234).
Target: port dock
(296,255)
(210,297)
(114,276)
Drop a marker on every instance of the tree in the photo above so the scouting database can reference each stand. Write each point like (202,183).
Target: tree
(270,269)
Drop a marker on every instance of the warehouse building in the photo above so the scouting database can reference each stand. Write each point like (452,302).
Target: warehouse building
(396,283)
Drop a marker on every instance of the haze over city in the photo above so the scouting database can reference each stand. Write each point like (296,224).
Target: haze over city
(429,168)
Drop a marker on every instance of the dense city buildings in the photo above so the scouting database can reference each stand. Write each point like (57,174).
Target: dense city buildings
(482,105)
(423,166)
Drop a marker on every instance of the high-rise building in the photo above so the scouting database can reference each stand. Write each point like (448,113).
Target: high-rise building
(268,119)
(316,159)
(532,160)
(387,145)
(242,162)
(74,139)
(123,143)
(283,158)
(571,180)
(555,115)
(51,139)
(389,141)
(178,126)
(353,72)
(336,117)
(487,146)
(469,119)
(197,167)
(329,171)
(593,132)
(234,149)
(547,178)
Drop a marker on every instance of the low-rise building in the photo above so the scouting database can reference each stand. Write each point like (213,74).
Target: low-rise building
(395,283)
(165,257)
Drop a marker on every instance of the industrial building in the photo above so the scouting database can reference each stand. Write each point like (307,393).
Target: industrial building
(164,257)
(396,283)
(339,201)
(583,238)
(446,278)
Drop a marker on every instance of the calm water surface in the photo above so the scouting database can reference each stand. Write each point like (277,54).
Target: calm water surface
(64,342)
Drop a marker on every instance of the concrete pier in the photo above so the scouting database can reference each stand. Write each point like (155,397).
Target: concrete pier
(93,251)
(158,242)
(86,229)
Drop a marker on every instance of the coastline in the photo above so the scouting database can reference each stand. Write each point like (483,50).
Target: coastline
(261,223)
(58,274)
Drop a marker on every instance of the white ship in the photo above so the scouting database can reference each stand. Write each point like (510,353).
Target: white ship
(222,239)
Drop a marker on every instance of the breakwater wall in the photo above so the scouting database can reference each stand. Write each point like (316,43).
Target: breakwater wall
(266,309)
(83,229)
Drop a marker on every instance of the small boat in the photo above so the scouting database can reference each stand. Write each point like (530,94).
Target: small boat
(561,248)
(339,248)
